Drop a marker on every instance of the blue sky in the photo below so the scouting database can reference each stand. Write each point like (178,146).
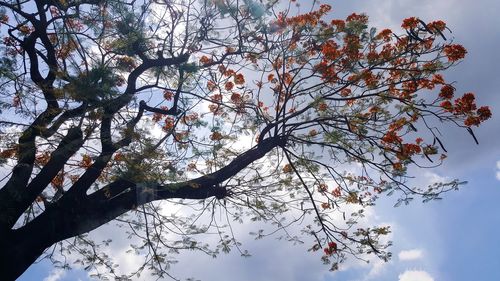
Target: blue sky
(452,240)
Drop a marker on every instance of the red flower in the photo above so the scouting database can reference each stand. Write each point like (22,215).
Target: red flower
(472,121)
(331,249)
(216,136)
(204,60)
(239,79)
(465,104)
(211,86)
(384,35)
(339,24)
(391,137)
(484,113)
(356,17)
(438,79)
(454,52)
(437,25)
(229,86)
(447,92)
(336,192)
(169,123)
(216,98)
(322,107)
(447,105)
(410,23)
(235,97)
(168,95)
(345,92)
(287,168)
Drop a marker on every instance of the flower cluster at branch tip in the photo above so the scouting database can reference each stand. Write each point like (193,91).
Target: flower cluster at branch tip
(216,136)
(454,52)
(331,249)
(410,23)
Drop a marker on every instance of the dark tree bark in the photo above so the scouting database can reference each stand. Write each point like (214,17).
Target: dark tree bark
(78,213)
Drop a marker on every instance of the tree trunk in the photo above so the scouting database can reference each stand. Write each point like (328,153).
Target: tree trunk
(18,251)
(75,214)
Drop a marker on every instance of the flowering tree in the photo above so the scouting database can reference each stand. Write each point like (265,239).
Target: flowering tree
(120,110)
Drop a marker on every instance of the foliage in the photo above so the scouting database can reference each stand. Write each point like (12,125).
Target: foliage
(125,109)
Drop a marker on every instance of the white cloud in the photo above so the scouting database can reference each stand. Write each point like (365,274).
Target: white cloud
(390,13)
(432,178)
(498,170)
(55,274)
(378,267)
(415,275)
(408,255)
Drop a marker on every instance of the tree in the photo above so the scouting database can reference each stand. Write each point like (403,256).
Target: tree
(113,108)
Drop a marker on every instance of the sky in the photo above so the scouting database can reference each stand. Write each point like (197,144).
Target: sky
(453,239)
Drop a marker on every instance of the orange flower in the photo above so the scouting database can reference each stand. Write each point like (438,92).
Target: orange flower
(336,192)
(454,52)
(324,8)
(86,161)
(397,166)
(214,108)
(472,121)
(410,23)
(168,95)
(229,72)
(446,105)
(331,249)
(216,98)
(484,113)
(216,136)
(345,92)
(235,97)
(330,50)
(211,86)
(339,24)
(384,35)
(447,92)
(229,86)
(437,79)
(374,109)
(465,104)
(239,79)
(204,60)
(118,157)
(16,101)
(57,181)
(356,17)
(437,25)
(322,106)
(287,168)
(169,123)
(411,149)
(4,18)
(222,69)
(391,137)
(287,78)
(43,158)
(25,29)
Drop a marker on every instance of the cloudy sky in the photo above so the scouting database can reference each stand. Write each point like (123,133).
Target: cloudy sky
(451,240)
